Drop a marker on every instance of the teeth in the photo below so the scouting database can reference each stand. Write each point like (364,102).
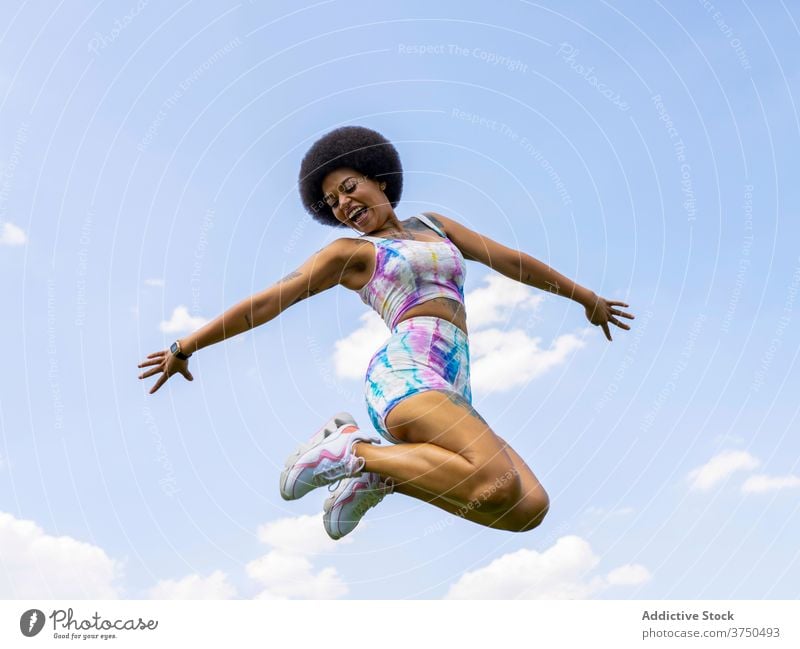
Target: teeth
(357,213)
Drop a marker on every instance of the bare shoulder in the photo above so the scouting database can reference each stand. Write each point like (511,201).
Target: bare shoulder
(353,259)
(465,239)
(474,245)
(452,228)
(335,259)
(342,249)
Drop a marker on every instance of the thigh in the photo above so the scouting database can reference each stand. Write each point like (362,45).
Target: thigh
(448,420)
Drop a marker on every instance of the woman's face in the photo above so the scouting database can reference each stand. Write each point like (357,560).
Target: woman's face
(355,200)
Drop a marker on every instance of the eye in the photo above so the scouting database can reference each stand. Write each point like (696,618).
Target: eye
(331,200)
(348,186)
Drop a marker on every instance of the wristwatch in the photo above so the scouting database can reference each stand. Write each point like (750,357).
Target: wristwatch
(175,348)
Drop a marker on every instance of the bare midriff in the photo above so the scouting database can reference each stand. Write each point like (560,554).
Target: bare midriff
(440,307)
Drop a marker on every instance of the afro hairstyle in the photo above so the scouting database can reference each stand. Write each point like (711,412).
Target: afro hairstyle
(359,148)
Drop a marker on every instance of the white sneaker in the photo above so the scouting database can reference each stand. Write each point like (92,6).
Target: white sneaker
(330,427)
(328,457)
(347,505)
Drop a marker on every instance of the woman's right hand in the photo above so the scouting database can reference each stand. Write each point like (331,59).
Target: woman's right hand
(167,363)
(600,312)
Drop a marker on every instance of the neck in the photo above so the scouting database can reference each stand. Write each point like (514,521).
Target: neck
(391,223)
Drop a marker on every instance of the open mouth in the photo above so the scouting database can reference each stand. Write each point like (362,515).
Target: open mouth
(359,216)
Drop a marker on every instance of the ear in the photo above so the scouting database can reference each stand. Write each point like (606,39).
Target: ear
(382,186)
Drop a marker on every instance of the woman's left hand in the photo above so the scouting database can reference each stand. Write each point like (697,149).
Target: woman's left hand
(600,312)
(166,363)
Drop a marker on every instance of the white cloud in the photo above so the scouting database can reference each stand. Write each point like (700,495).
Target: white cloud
(759,484)
(36,565)
(352,354)
(298,535)
(560,572)
(720,467)
(631,574)
(181,322)
(286,571)
(12,235)
(502,360)
(154,281)
(287,575)
(215,586)
(497,301)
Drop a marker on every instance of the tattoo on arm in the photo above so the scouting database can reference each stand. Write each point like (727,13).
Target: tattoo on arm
(553,287)
(294,275)
(290,276)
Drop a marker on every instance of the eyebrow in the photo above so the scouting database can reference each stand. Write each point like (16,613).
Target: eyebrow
(338,185)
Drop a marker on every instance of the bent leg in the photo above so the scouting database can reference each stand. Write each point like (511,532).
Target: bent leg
(522,517)
(452,459)
(528,512)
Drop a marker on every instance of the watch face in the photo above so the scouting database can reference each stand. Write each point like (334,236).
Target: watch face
(174,348)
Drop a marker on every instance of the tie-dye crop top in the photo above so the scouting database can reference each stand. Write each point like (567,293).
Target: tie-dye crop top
(408,273)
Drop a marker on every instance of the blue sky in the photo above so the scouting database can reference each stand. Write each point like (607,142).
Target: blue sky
(148,167)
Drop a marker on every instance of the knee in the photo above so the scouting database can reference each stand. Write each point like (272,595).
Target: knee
(498,493)
(529,513)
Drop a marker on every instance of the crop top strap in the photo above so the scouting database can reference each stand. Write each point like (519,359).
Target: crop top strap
(427,221)
(422,217)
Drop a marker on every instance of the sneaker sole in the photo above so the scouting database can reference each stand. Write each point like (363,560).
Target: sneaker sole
(327,507)
(326,518)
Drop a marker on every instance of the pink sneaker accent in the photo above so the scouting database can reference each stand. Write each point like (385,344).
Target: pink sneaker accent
(345,508)
(327,460)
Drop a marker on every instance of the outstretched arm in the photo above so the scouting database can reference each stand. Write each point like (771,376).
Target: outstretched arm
(320,272)
(526,269)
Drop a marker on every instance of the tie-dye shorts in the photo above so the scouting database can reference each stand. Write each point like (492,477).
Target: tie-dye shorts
(424,353)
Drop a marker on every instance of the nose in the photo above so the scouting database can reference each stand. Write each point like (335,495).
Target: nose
(344,203)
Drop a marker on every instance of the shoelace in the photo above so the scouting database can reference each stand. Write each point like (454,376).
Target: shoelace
(370,499)
(335,470)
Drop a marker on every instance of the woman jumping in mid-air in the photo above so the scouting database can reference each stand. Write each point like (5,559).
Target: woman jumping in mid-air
(417,385)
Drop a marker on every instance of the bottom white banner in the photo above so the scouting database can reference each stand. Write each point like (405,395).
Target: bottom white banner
(386,624)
